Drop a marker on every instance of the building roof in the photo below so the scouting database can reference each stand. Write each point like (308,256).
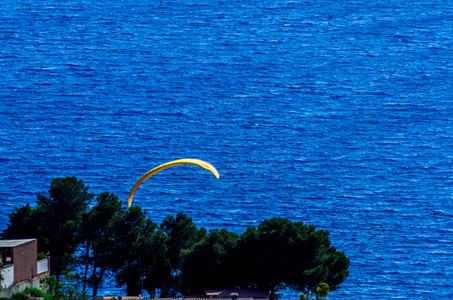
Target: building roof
(241,293)
(14,243)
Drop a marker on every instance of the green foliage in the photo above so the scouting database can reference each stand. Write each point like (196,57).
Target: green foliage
(41,256)
(19,295)
(55,221)
(99,240)
(157,269)
(322,291)
(23,223)
(56,290)
(133,228)
(206,265)
(152,255)
(182,234)
(280,253)
(32,292)
(35,292)
(175,256)
(52,289)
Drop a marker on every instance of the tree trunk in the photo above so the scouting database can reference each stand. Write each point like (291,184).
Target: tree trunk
(85,273)
(272,295)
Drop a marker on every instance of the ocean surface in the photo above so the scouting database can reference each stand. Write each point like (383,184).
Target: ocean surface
(334,113)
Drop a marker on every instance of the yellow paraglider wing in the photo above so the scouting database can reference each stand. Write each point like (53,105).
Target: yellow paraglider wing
(178,162)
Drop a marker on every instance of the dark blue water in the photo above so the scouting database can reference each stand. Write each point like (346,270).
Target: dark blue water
(335,113)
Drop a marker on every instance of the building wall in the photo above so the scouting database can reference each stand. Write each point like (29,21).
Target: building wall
(32,283)
(43,266)
(8,276)
(25,259)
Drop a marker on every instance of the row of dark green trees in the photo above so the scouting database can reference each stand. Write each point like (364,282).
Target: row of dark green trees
(93,238)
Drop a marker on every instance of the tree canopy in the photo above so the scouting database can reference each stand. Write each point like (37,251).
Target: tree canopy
(276,255)
(95,237)
(205,264)
(281,253)
(98,240)
(56,221)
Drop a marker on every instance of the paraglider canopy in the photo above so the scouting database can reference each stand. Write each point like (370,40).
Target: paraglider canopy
(186,161)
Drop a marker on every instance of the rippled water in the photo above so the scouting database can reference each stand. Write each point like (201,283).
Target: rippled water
(334,113)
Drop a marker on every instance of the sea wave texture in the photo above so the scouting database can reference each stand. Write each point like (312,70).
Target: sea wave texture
(334,113)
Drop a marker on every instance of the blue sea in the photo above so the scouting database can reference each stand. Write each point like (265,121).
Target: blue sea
(334,113)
